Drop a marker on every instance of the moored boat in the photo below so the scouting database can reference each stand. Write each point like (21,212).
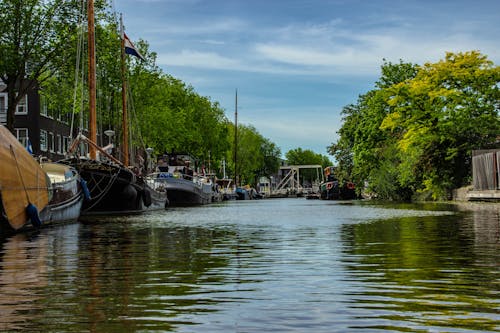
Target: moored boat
(66,194)
(332,189)
(185,187)
(226,188)
(24,187)
(32,195)
(114,188)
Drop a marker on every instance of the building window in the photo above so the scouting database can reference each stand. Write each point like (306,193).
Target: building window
(66,143)
(3,108)
(52,142)
(22,136)
(22,106)
(59,144)
(43,140)
(43,106)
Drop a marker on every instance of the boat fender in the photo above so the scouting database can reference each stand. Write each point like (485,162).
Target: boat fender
(146,197)
(85,189)
(32,213)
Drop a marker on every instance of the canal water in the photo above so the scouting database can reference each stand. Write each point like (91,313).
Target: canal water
(278,265)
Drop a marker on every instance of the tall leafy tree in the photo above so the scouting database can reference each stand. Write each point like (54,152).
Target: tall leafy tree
(271,154)
(257,155)
(301,156)
(416,130)
(447,110)
(34,36)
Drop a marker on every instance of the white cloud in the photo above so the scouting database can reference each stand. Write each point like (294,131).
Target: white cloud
(208,60)
(205,27)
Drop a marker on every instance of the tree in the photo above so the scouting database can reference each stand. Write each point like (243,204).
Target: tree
(257,156)
(448,109)
(299,156)
(271,154)
(34,35)
(415,132)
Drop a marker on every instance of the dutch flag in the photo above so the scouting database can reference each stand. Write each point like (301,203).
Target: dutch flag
(130,48)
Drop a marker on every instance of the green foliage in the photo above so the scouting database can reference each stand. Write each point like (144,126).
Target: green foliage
(34,35)
(299,156)
(165,113)
(256,155)
(416,131)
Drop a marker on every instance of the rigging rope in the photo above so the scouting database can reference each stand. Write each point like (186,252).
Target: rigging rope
(78,66)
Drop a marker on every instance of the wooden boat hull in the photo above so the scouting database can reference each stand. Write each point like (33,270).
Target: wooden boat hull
(22,181)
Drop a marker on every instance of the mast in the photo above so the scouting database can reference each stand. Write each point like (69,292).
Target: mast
(92,78)
(124,99)
(236,139)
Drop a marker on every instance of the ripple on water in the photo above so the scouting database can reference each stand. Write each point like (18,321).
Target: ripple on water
(289,265)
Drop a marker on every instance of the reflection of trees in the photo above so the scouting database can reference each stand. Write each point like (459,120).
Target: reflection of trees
(22,270)
(423,271)
(119,277)
(145,278)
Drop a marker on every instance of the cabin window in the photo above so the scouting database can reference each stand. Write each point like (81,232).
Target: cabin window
(43,140)
(22,106)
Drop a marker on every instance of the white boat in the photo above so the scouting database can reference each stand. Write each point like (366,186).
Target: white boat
(184,186)
(66,194)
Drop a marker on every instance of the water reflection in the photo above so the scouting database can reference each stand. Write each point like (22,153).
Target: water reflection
(263,266)
(22,270)
(432,273)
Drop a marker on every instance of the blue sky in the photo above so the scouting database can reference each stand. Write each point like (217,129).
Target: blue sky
(297,63)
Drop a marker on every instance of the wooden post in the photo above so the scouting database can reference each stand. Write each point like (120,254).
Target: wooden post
(92,79)
(124,100)
(236,180)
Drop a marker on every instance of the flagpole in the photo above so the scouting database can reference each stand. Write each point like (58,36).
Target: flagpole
(236,179)
(124,98)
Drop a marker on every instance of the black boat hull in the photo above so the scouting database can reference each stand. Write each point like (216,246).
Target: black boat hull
(334,191)
(113,189)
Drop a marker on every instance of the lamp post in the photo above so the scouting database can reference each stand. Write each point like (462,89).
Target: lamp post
(110,134)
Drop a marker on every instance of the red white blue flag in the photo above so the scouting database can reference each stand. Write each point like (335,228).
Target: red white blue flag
(130,48)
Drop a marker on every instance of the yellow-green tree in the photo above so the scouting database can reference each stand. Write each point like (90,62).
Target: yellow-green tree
(416,130)
(450,108)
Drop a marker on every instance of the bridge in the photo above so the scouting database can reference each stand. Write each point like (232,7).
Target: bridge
(290,183)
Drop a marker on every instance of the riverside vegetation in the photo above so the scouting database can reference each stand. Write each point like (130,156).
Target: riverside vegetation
(413,133)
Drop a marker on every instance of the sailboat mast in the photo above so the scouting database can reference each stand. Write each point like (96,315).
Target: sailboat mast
(92,78)
(236,139)
(124,99)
